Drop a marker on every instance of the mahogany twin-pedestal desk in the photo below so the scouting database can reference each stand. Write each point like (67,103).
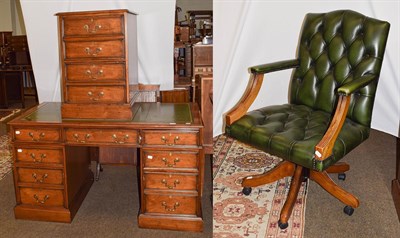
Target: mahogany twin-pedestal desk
(52,172)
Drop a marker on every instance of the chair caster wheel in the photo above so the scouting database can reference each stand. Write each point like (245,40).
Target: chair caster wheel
(342,176)
(348,210)
(282,225)
(246,191)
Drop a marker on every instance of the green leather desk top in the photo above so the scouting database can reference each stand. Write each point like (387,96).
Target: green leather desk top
(154,113)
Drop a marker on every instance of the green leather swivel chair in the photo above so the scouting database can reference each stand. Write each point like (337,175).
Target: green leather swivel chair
(331,97)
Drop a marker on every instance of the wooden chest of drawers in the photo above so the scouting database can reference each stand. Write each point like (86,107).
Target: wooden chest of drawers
(171,179)
(98,54)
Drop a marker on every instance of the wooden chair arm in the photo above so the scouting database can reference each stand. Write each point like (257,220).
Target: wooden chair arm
(248,97)
(324,148)
(254,85)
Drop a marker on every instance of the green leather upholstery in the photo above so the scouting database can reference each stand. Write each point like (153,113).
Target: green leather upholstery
(339,52)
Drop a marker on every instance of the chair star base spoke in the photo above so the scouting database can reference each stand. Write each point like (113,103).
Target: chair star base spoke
(323,179)
(282,170)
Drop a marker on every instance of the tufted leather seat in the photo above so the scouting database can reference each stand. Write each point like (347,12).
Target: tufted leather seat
(292,131)
(331,97)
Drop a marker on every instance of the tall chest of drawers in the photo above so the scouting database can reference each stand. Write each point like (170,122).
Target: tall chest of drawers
(98,54)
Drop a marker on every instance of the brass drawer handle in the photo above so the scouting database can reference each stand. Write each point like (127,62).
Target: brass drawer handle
(120,141)
(45,198)
(76,136)
(40,180)
(165,182)
(42,156)
(169,208)
(95,28)
(165,140)
(176,160)
(94,76)
(32,135)
(95,98)
(95,53)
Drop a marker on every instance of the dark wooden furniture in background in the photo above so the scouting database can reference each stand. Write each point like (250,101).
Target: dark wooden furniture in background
(5,48)
(396,181)
(202,63)
(96,49)
(204,90)
(52,156)
(16,75)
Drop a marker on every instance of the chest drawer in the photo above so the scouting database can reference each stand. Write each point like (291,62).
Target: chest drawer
(170,181)
(168,159)
(40,176)
(170,204)
(39,156)
(98,72)
(37,135)
(95,94)
(88,136)
(42,197)
(90,25)
(171,138)
(98,49)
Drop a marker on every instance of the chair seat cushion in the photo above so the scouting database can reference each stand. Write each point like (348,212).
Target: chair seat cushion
(292,131)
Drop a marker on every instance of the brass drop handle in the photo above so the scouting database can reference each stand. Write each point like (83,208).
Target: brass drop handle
(32,135)
(165,140)
(165,182)
(40,180)
(95,28)
(169,208)
(117,141)
(140,139)
(45,198)
(95,98)
(95,53)
(94,76)
(176,160)
(76,136)
(42,156)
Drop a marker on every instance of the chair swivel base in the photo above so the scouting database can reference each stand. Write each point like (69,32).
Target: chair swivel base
(298,174)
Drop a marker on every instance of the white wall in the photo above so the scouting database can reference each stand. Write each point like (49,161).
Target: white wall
(155,39)
(252,32)
(5,15)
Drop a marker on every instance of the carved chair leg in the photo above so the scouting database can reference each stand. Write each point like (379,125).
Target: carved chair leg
(339,167)
(323,179)
(284,169)
(292,197)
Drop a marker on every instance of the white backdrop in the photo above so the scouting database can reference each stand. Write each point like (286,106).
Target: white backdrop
(155,39)
(252,32)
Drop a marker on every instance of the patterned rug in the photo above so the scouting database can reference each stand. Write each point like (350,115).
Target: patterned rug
(236,215)
(5,156)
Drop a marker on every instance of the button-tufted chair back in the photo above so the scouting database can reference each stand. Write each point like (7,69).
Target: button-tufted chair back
(336,48)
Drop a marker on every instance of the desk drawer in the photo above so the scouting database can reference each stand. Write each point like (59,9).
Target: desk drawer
(95,72)
(112,136)
(95,94)
(42,197)
(170,181)
(170,204)
(168,159)
(89,25)
(40,176)
(171,138)
(37,135)
(96,49)
(39,156)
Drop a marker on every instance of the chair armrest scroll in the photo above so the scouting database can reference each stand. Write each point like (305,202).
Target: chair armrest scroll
(276,66)
(356,84)
(324,148)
